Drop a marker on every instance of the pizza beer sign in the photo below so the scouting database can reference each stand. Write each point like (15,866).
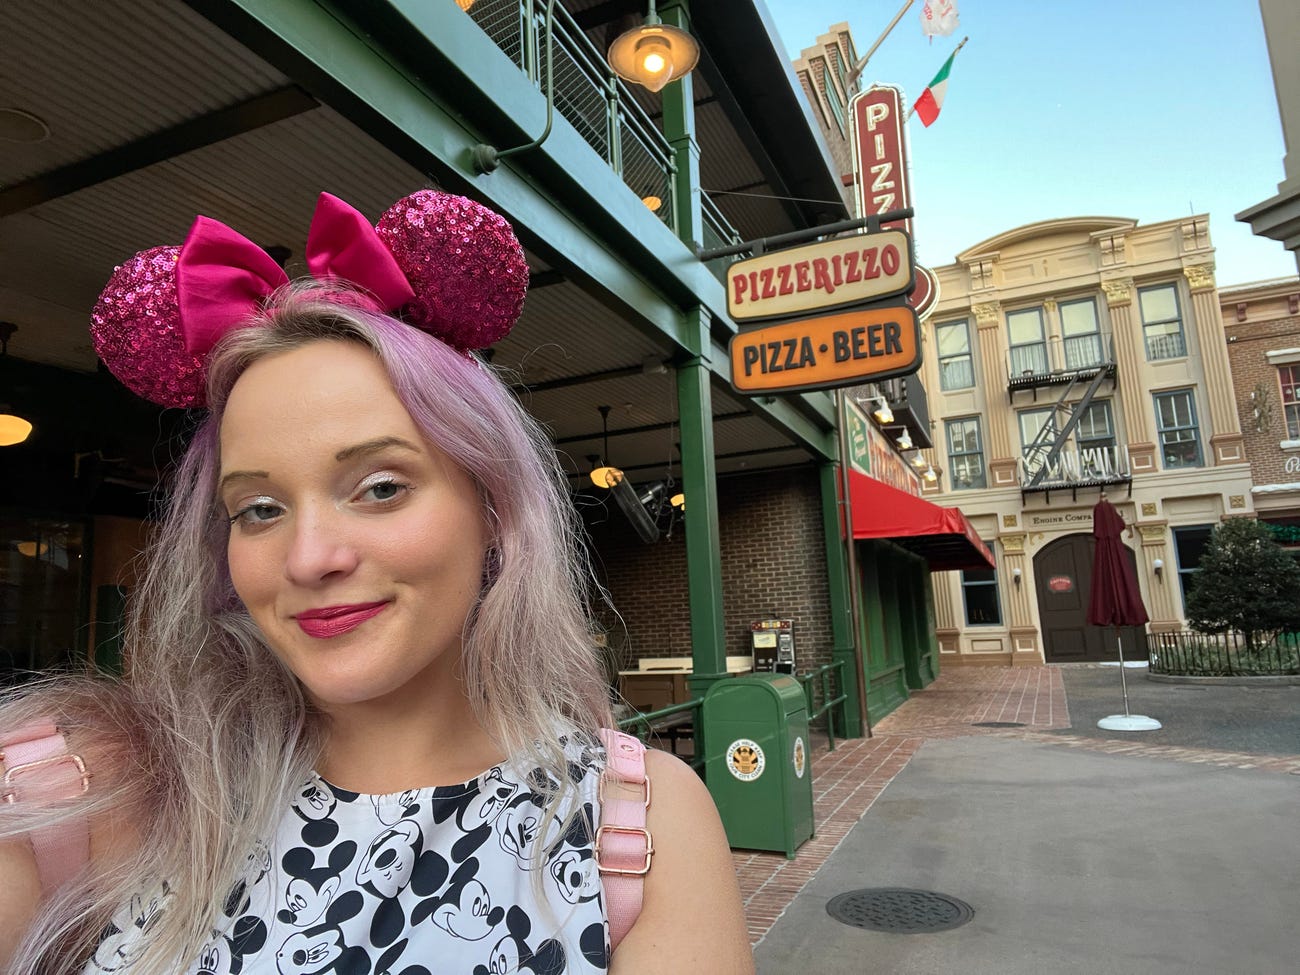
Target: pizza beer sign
(871,332)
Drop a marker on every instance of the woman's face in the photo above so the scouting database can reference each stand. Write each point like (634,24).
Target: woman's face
(356,546)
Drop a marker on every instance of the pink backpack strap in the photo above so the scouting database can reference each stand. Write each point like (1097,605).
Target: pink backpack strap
(37,764)
(623,844)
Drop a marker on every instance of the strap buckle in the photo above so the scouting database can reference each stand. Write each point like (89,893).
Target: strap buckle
(640,831)
(606,776)
(11,774)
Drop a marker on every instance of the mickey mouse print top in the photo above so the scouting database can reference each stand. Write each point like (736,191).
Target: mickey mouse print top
(425,882)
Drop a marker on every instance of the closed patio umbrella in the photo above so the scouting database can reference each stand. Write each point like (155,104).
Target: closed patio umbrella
(1116,601)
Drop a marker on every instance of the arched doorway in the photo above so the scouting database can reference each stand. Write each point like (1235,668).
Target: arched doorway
(1063,580)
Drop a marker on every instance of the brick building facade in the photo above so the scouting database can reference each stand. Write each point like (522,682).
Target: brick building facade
(773,566)
(1261,324)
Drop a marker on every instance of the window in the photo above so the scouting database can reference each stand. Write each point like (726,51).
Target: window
(1189,544)
(1080,336)
(832,96)
(956,368)
(1028,350)
(1290,378)
(1095,435)
(1031,425)
(979,590)
(965,453)
(1162,325)
(1180,438)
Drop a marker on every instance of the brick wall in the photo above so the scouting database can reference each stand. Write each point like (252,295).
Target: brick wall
(1269,324)
(773,564)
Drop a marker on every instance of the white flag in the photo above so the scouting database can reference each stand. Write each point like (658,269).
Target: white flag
(938,17)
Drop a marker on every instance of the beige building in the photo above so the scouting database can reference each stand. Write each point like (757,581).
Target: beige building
(1066,360)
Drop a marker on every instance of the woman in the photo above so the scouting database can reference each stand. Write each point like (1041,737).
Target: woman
(358,732)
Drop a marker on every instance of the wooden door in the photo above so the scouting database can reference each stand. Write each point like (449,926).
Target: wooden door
(1063,580)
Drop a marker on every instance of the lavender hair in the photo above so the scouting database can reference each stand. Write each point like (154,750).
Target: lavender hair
(202,746)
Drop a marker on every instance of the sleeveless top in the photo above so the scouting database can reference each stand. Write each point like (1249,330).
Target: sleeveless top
(425,882)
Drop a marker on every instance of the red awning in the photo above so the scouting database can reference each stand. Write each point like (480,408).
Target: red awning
(941,536)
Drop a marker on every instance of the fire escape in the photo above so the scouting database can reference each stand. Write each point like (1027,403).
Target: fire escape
(1074,369)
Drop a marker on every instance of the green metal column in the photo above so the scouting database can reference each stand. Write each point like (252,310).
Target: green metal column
(703,555)
(679,129)
(844,648)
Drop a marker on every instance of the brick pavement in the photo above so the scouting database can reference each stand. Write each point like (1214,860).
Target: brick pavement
(848,780)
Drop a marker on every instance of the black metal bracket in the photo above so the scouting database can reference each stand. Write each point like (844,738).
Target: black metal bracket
(763,244)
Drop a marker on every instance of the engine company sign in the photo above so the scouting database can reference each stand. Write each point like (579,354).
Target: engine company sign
(831,274)
(879,153)
(834,350)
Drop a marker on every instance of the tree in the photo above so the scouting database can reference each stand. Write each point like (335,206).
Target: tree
(1246,582)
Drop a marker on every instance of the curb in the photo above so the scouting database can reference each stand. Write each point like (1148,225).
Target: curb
(1278,680)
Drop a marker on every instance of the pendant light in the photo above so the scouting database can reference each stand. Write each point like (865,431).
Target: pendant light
(605,476)
(14,429)
(882,412)
(905,441)
(654,53)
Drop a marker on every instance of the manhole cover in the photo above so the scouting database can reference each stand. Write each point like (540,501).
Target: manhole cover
(997,724)
(899,910)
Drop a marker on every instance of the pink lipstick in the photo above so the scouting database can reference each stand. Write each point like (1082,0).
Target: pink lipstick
(331,621)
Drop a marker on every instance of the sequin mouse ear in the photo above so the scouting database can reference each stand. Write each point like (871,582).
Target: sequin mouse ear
(136,331)
(464,264)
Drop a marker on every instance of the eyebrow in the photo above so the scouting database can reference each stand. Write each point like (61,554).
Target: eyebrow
(347,453)
(374,446)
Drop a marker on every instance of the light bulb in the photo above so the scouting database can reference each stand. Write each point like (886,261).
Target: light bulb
(655,57)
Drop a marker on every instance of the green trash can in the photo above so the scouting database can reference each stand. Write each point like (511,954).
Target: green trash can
(756,730)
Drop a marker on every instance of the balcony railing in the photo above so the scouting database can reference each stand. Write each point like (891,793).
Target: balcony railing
(1170,345)
(1077,468)
(718,232)
(1057,360)
(587,93)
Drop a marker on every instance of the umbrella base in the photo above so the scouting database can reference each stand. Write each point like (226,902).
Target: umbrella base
(1129,722)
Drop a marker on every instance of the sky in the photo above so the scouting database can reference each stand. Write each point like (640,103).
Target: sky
(1060,108)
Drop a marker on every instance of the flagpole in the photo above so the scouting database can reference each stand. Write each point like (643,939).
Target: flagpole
(857,68)
(950,57)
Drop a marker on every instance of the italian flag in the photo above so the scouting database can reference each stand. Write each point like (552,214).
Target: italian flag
(931,100)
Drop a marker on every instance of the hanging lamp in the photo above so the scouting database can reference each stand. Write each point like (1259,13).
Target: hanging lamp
(605,476)
(653,54)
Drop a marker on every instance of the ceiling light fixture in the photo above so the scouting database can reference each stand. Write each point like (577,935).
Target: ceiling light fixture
(678,501)
(13,428)
(653,54)
(605,476)
(652,202)
(19,126)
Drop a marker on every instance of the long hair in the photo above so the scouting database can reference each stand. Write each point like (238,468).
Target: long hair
(204,743)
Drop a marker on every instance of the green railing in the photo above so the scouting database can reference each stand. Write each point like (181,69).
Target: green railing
(828,679)
(587,93)
(653,723)
(718,232)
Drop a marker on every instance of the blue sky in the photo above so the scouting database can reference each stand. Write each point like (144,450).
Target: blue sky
(1057,108)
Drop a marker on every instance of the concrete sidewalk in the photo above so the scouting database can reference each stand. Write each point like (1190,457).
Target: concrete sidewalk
(1073,862)
(1078,852)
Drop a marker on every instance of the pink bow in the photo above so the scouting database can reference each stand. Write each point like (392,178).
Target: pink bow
(222,277)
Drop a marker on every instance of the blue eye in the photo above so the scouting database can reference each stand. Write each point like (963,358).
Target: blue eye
(384,491)
(257,513)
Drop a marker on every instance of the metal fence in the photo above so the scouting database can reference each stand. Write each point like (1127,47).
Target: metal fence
(824,689)
(587,93)
(1193,654)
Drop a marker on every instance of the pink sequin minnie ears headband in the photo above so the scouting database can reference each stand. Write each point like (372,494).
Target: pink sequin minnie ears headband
(443,263)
